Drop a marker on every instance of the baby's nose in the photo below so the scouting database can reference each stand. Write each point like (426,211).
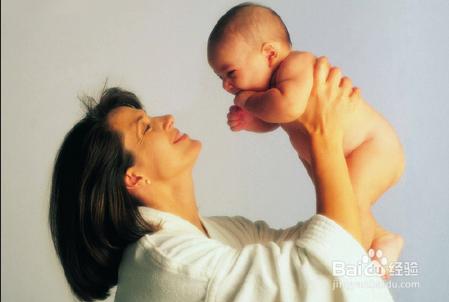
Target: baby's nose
(228,86)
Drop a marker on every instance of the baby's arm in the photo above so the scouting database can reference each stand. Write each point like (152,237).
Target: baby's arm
(240,119)
(287,101)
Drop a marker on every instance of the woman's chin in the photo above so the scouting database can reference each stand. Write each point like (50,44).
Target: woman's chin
(194,150)
(196,143)
(198,146)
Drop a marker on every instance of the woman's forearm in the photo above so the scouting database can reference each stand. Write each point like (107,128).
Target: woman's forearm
(335,195)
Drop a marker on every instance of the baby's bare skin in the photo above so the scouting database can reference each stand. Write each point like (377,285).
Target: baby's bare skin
(272,86)
(368,137)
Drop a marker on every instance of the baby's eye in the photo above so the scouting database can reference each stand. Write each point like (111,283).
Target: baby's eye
(231,73)
(147,128)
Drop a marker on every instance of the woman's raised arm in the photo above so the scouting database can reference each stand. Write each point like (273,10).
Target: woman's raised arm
(331,104)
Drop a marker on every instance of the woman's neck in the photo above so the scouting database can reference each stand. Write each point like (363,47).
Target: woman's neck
(177,197)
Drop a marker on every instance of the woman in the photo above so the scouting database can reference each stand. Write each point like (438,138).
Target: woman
(123,211)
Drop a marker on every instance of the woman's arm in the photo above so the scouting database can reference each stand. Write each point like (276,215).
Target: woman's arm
(332,100)
(335,195)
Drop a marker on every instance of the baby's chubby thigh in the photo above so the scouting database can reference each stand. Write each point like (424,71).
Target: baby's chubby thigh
(390,152)
(375,165)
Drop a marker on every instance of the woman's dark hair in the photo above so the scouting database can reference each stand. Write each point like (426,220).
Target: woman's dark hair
(92,217)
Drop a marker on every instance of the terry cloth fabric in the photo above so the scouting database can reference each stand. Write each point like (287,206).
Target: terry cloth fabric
(243,261)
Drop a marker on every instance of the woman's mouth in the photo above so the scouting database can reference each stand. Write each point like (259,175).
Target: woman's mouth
(179,137)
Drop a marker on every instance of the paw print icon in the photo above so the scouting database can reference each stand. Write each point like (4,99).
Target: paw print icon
(380,262)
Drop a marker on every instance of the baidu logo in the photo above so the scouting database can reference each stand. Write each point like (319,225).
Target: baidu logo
(375,263)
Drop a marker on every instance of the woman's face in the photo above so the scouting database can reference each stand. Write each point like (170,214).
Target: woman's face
(161,152)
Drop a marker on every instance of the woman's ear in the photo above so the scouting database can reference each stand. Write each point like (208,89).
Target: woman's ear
(132,180)
(138,186)
(271,52)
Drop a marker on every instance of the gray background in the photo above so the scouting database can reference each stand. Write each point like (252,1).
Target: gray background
(51,51)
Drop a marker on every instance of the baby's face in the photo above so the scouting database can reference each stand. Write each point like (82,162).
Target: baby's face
(240,66)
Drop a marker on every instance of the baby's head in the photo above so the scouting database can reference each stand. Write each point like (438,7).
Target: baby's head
(246,46)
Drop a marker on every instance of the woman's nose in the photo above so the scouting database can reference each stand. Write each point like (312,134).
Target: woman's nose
(168,121)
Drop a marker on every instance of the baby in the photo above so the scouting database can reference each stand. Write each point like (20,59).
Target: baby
(250,50)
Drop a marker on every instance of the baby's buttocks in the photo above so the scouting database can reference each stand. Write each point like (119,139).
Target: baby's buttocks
(299,141)
(362,126)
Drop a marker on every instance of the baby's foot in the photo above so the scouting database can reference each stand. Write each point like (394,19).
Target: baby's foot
(385,249)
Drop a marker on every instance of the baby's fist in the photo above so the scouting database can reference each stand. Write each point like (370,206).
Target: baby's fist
(238,118)
(241,119)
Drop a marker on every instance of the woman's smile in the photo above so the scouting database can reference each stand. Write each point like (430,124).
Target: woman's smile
(179,137)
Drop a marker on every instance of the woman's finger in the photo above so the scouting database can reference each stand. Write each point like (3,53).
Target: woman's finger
(321,70)
(355,93)
(346,86)
(334,77)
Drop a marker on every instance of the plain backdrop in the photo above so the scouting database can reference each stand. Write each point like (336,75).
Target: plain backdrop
(54,50)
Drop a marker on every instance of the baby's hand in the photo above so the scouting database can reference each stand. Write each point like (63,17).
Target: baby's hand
(239,119)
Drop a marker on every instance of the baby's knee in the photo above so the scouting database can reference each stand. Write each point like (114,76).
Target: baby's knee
(400,168)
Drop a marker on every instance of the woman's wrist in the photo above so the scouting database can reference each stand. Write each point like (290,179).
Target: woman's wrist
(335,196)
(325,141)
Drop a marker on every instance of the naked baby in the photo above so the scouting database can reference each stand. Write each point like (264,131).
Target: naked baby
(250,50)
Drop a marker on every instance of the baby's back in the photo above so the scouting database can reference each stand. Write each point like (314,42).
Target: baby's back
(366,124)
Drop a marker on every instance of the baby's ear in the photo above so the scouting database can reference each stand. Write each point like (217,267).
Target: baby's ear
(271,51)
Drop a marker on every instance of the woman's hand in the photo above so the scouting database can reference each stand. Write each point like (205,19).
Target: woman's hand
(331,103)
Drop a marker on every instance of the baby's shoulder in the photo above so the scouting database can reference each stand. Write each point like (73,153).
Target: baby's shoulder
(296,63)
(301,55)
(299,58)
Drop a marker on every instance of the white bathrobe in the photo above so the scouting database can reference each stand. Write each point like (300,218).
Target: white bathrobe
(244,261)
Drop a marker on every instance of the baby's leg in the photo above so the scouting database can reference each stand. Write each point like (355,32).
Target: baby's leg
(374,167)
